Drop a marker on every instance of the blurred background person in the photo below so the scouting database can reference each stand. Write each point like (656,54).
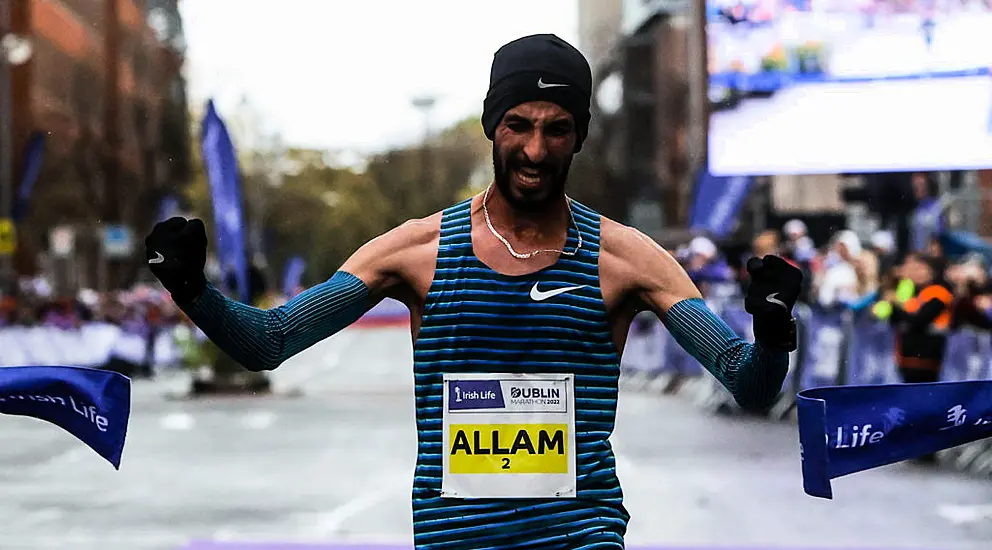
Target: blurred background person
(928,220)
(709,270)
(838,283)
(922,322)
(798,246)
(883,244)
(970,283)
(866,268)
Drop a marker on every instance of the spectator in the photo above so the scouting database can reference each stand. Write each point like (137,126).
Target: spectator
(798,246)
(766,243)
(866,270)
(710,271)
(883,244)
(921,324)
(973,294)
(839,281)
(928,220)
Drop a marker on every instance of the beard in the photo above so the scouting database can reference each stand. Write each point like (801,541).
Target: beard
(526,199)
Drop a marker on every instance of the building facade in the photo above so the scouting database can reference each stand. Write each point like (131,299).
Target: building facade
(599,30)
(104,88)
(642,129)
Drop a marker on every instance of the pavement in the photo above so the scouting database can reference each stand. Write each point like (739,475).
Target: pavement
(333,468)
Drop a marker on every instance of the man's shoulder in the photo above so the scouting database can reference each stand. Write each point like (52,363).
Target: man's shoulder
(392,253)
(624,240)
(422,231)
(416,231)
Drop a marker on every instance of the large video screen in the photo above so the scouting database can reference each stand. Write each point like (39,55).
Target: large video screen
(847,86)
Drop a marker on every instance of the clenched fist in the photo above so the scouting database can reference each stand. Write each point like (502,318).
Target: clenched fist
(774,289)
(176,250)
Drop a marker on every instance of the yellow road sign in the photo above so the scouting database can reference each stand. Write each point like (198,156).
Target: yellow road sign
(8,236)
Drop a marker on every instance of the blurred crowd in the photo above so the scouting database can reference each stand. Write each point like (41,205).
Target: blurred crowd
(33,303)
(137,316)
(923,292)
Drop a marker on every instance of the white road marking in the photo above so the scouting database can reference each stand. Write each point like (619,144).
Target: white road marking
(331,522)
(181,422)
(960,515)
(259,420)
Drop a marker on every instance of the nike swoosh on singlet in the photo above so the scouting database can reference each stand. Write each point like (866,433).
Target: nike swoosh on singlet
(159,258)
(538,295)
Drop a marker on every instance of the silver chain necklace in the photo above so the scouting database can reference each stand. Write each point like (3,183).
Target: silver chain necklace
(514,253)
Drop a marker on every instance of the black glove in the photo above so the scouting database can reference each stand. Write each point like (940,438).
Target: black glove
(774,289)
(177,252)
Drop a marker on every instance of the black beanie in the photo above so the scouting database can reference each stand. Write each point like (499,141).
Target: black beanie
(540,67)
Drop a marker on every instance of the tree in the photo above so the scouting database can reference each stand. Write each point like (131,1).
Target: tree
(323,214)
(422,180)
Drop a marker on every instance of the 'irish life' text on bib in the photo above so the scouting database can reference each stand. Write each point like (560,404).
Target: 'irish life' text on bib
(509,436)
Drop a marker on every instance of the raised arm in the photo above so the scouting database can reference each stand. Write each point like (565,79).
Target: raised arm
(261,339)
(753,373)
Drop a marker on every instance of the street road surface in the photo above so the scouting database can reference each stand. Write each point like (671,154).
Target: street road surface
(335,466)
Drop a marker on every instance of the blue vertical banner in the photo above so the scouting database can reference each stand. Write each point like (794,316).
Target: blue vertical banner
(717,202)
(34,156)
(293,275)
(225,191)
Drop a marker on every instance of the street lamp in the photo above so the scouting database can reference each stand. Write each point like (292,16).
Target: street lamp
(424,104)
(17,50)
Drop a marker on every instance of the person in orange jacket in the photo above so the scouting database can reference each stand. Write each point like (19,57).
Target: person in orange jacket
(921,322)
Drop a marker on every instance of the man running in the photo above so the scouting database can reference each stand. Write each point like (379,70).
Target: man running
(520,302)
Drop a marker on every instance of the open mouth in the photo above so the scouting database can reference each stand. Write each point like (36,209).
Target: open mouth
(529,177)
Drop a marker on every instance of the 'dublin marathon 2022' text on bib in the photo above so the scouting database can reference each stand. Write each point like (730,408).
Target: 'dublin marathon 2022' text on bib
(509,436)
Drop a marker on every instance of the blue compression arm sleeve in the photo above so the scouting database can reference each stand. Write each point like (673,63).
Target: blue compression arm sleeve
(262,339)
(753,375)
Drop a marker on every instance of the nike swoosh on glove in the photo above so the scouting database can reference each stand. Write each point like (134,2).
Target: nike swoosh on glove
(774,289)
(176,251)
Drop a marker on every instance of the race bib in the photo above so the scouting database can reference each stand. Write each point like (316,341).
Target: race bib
(509,436)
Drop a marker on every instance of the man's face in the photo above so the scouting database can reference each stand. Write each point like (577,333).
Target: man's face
(532,151)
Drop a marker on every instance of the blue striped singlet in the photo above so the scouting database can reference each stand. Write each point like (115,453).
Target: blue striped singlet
(476,320)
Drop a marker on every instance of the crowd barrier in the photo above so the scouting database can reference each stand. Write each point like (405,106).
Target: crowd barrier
(95,344)
(90,345)
(837,347)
